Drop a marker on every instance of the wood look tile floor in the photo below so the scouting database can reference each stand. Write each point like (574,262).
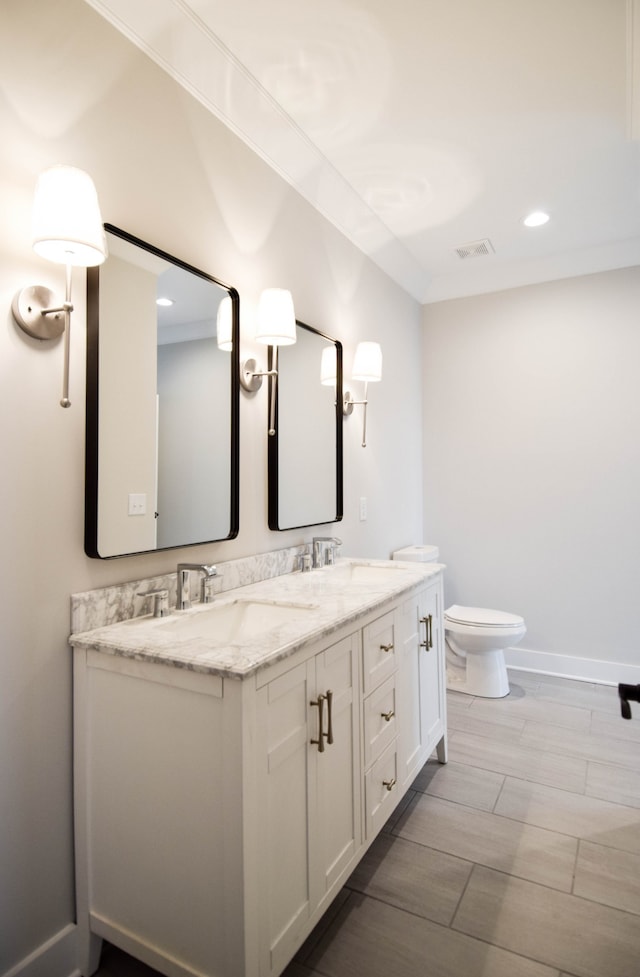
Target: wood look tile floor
(519,858)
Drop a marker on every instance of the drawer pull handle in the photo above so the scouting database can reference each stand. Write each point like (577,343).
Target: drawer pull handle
(389,784)
(320,741)
(388,647)
(388,716)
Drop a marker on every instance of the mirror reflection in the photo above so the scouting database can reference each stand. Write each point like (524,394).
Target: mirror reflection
(305,454)
(162,403)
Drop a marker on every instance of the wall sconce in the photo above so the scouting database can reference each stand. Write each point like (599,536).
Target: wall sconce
(367,366)
(67,229)
(276,327)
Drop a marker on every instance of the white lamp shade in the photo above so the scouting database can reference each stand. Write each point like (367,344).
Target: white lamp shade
(367,363)
(328,367)
(67,225)
(224,324)
(276,318)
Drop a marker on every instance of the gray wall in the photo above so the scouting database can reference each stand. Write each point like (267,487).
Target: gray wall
(73,90)
(532,458)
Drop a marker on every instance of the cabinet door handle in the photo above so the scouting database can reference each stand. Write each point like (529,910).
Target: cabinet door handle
(388,716)
(320,741)
(329,733)
(388,647)
(425,643)
(322,736)
(389,784)
(428,632)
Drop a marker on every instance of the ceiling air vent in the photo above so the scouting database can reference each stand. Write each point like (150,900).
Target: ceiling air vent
(476,249)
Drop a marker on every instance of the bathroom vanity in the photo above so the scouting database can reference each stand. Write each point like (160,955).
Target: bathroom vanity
(233,762)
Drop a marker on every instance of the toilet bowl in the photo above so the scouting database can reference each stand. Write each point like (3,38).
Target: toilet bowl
(476,638)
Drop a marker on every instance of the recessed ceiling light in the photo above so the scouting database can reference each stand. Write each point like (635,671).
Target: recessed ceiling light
(536,219)
(164,302)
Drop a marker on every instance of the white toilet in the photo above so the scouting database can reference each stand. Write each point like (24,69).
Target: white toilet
(476,638)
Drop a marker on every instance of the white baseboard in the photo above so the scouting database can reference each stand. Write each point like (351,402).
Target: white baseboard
(567,666)
(55,958)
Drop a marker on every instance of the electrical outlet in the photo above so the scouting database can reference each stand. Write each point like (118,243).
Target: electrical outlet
(363,508)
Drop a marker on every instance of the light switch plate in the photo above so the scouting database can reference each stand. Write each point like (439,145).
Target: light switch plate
(137,503)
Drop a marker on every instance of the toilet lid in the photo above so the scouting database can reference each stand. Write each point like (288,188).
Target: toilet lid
(482,616)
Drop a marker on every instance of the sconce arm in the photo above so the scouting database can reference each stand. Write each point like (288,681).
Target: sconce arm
(65,402)
(251,380)
(348,403)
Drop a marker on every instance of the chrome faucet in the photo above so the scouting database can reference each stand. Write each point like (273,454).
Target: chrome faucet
(323,554)
(160,601)
(183,596)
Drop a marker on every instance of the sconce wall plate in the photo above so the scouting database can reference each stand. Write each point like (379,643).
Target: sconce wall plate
(29,306)
(347,403)
(250,380)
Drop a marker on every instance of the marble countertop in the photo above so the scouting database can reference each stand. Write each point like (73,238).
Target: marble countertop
(281,615)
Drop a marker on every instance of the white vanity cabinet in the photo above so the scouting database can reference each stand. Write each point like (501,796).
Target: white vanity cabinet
(217,817)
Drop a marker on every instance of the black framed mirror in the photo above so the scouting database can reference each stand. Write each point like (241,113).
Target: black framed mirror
(305,453)
(162,434)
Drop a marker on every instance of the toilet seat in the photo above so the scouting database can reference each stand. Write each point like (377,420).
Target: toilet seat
(481,617)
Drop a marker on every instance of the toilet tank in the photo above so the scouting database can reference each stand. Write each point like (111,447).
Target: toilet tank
(424,553)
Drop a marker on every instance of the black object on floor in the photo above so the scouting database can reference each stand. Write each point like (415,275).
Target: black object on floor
(626,693)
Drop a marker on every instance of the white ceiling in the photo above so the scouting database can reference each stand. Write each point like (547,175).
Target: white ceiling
(420,126)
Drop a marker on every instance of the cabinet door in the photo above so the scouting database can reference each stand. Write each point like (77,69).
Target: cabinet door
(421,704)
(336,824)
(432,670)
(310,819)
(287,793)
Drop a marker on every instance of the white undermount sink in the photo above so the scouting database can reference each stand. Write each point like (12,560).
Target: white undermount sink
(362,572)
(237,621)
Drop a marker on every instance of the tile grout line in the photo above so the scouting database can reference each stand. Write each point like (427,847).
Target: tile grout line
(499,795)
(575,867)
(470,936)
(462,895)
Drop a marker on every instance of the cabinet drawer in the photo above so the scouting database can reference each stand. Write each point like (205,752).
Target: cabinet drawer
(381,790)
(379,651)
(379,720)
